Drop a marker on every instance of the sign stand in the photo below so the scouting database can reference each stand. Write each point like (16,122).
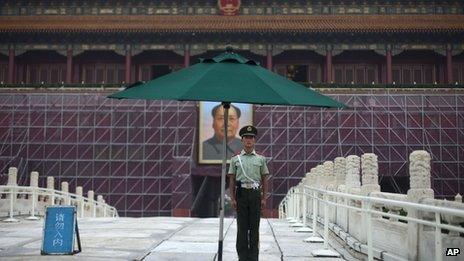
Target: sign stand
(60,226)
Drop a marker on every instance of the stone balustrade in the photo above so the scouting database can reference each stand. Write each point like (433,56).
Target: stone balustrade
(31,201)
(393,236)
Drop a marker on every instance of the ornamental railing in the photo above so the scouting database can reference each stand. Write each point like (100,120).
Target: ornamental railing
(384,226)
(31,201)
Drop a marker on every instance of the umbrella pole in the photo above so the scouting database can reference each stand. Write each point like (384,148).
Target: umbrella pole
(226,106)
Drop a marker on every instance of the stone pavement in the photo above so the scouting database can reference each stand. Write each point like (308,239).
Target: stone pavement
(156,238)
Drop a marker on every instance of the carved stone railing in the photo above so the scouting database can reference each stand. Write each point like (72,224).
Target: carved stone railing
(412,226)
(31,201)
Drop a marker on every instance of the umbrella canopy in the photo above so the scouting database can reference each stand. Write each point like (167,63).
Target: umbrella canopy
(227,77)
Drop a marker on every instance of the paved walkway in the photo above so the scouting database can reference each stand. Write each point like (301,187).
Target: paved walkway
(157,238)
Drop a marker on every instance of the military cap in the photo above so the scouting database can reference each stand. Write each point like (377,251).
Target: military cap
(248,131)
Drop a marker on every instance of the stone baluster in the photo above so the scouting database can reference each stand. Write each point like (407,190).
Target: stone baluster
(12,196)
(420,188)
(328,174)
(34,182)
(91,198)
(340,173)
(65,190)
(352,173)
(101,206)
(455,220)
(458,198)
(80,201)
(51,192)
(12,177)
(309,180)
(370,174)
(328,168)
(419,179)
(34,185)
(320,177)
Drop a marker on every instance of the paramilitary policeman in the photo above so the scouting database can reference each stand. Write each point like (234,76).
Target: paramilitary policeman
(248,185)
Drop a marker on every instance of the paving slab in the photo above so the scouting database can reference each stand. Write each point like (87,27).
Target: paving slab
(157,238)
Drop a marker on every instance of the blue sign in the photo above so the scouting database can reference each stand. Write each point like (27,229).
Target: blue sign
(59,229)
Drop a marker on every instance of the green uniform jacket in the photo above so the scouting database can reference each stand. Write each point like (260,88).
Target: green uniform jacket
(254,164)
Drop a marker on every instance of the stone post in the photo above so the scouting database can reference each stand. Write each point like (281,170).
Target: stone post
(80,201)
(12,176)
(51,187)
(34,184)
(352,173)
(328,168)
(309,178)
(420,188)
(65,190)
(12,181)
(352,185)
(458,198)
(339,172)
(319,179)
(330,185)
(370,173)
(419,176)
(91,197)
(101,206)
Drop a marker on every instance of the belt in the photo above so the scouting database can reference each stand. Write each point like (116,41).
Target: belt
(248,185)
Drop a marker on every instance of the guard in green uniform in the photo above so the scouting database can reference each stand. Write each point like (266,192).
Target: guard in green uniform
(248,184)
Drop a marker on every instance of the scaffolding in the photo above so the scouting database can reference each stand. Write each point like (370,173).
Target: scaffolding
(140,155)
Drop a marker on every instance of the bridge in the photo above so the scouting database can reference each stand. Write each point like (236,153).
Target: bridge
(336,211)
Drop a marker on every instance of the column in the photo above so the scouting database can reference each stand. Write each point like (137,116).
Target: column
(186,55)
(328,66)
(449,64)
(389,66)
(128,66)
(11,65)
(69,67)
(269,58)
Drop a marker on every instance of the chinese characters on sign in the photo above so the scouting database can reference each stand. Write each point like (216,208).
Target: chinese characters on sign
(59,226)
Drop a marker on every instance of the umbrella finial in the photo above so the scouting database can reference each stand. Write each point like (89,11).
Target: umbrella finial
(229,49)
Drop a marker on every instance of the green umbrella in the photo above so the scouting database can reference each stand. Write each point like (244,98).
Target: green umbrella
(227,78)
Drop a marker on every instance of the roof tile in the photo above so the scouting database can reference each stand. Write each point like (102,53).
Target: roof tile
(243,23)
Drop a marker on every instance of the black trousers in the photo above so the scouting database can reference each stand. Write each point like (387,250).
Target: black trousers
(248,216)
